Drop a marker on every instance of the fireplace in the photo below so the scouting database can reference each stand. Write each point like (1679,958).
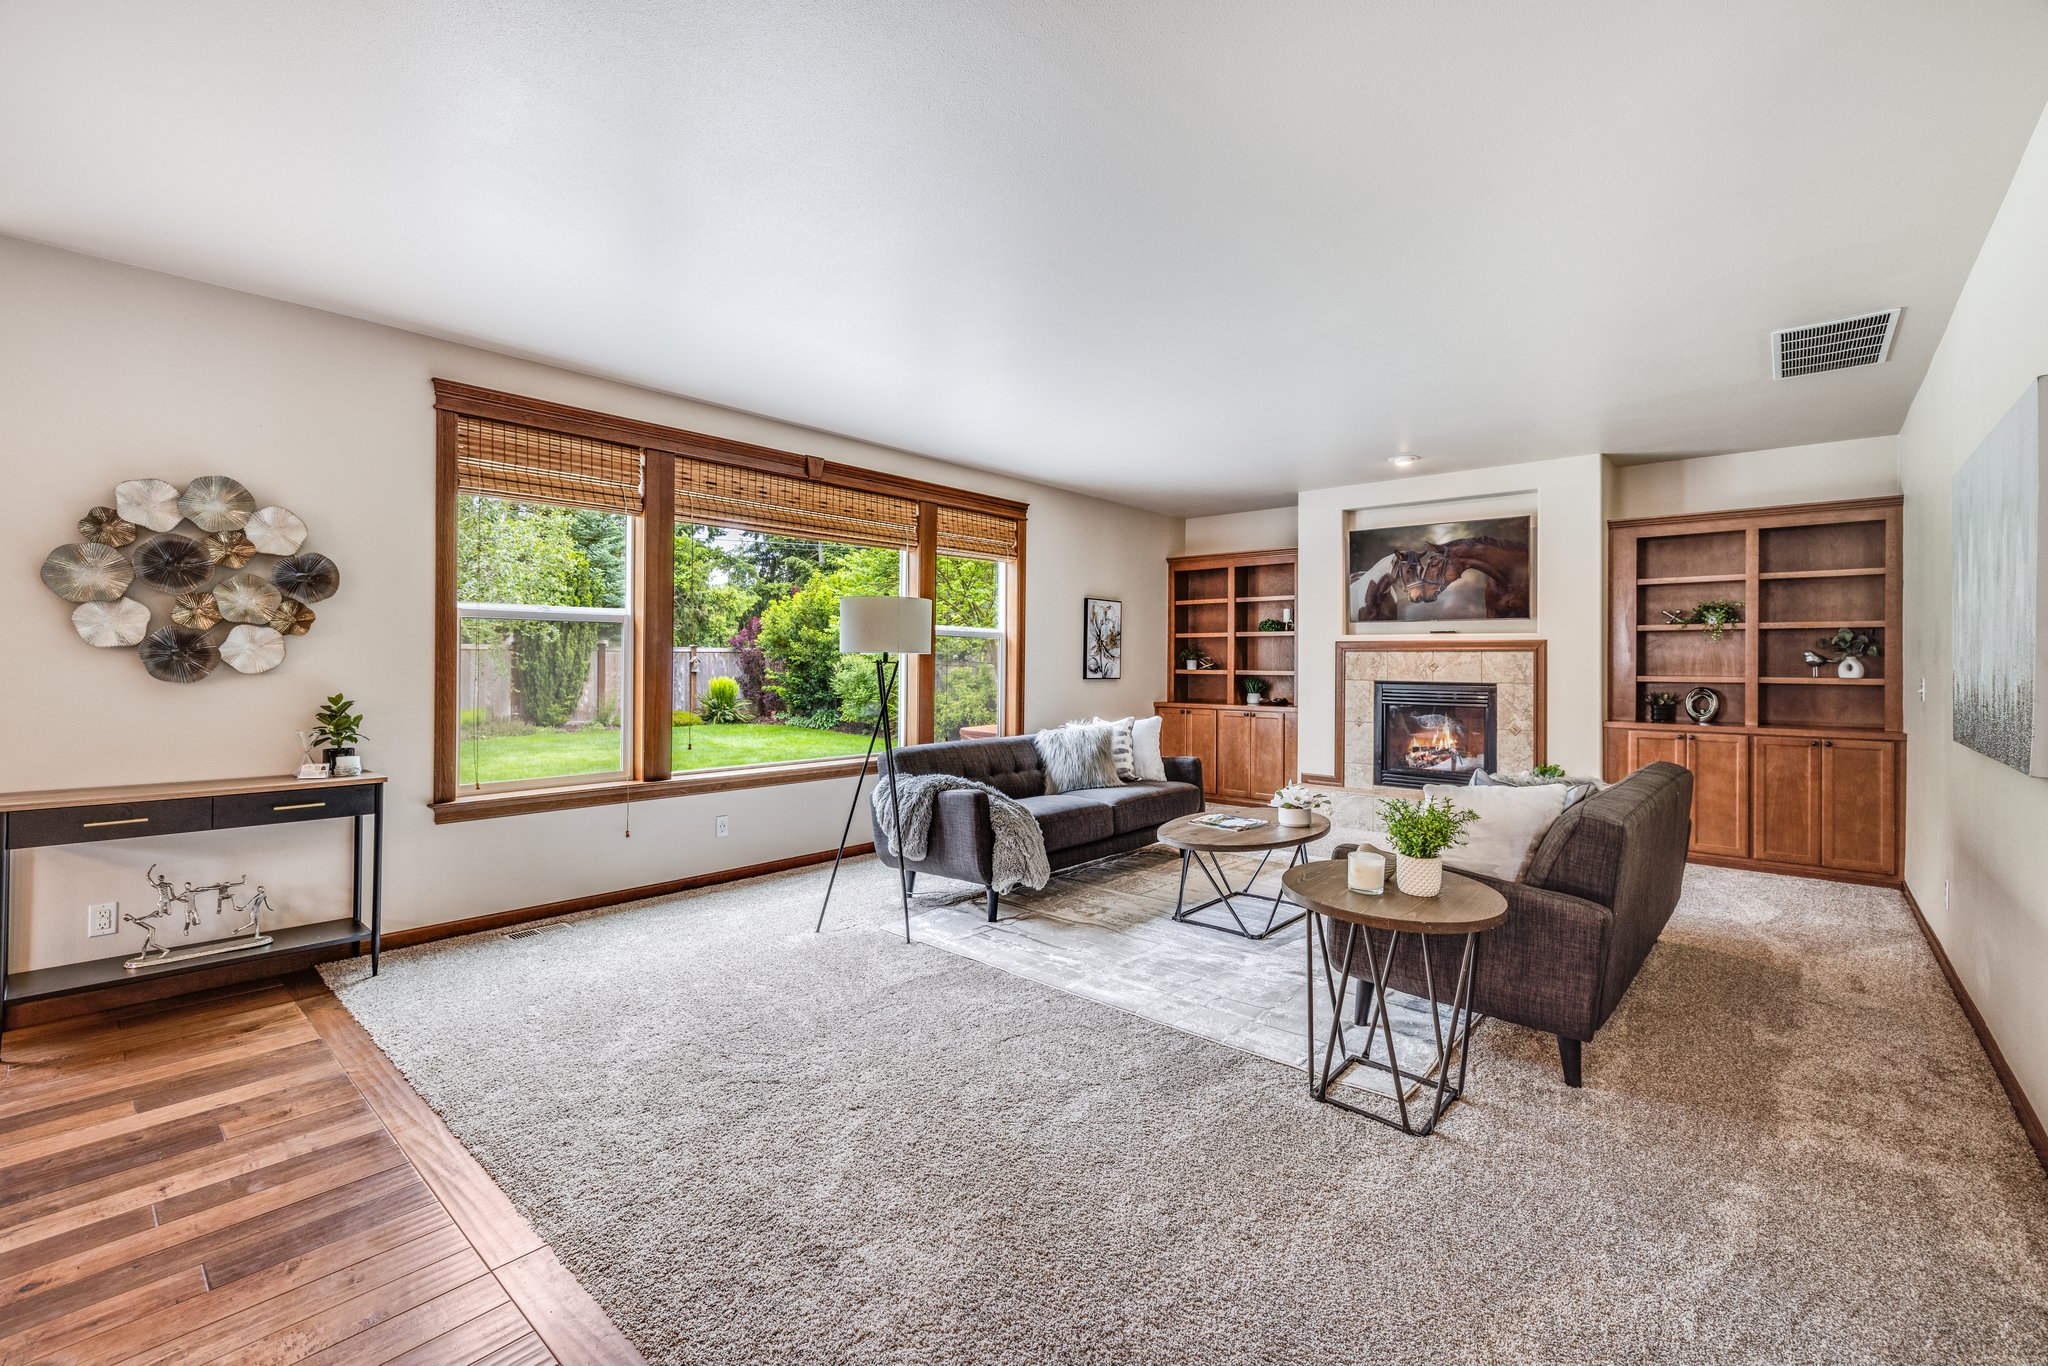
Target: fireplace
(1432,732)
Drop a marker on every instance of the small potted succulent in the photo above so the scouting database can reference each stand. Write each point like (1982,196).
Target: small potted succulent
(1663,708)
(1255,690)
(1420,831)
(1851,645)
(1296,802)
(339,726)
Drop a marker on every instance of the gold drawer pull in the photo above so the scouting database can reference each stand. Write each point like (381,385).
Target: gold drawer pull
(128,820)
(300,806)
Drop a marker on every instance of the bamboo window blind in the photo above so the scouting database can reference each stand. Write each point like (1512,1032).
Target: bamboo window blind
(982,535)
(718,495)
(505,460)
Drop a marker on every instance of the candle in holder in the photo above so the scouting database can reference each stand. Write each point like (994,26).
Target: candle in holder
(1365,871)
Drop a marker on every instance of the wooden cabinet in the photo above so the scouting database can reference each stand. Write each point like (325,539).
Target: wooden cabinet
(1785,815)
(1247,753)
(1816,804)
(1858,805)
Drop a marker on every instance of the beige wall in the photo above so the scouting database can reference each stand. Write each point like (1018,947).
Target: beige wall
(1264,529)
(1975,854)
(1567,496)
(1865,468)
(113,373)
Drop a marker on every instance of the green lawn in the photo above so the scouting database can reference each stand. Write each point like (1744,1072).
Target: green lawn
(562,754)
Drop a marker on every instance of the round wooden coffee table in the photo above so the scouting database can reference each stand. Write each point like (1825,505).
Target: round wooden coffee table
(1467,907)
(1201,844)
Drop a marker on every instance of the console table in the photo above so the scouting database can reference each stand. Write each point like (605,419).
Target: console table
(33,820)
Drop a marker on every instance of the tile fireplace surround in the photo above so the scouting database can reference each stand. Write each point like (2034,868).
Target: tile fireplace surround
(1516,667)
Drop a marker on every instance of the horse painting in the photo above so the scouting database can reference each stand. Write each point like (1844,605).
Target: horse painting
(1457,571)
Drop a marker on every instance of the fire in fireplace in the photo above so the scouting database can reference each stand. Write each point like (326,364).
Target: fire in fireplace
(1432,732)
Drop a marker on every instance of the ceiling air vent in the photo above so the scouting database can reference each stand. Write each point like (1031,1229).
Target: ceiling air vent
(1863,340)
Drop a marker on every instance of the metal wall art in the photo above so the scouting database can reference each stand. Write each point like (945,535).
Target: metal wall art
(233,577)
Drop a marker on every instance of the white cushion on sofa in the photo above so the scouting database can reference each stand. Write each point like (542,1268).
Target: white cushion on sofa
(1149,763)
(1511,821)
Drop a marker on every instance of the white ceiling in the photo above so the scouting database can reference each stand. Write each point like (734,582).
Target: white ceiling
(1193,256)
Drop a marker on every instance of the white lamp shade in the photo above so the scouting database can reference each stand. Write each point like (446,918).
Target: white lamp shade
(885,626)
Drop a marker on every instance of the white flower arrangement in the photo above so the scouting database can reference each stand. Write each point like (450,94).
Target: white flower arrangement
(1301,797)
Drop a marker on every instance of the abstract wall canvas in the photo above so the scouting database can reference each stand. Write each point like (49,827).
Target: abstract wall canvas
(2001,638)
(1102,638)
(1473,570)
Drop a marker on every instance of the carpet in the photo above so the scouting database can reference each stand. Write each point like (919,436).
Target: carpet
(752,1143)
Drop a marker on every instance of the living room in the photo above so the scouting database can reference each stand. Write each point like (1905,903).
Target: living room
(1363,793)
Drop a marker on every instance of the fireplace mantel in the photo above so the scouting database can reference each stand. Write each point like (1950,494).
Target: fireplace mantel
(1517,666)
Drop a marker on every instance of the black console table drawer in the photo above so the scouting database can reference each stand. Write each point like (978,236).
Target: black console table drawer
(275,808)
(114,821)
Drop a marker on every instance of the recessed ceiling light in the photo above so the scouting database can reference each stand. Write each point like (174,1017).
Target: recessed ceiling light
(1404,460)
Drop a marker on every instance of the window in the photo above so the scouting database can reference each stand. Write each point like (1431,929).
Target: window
(630,611)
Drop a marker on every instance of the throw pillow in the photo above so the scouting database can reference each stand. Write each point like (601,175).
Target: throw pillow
(1576,790)
(1123,750)
(1511,821)
(1075,757)
(1145,739)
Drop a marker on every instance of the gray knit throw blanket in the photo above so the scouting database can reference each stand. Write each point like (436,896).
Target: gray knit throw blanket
(1020,844)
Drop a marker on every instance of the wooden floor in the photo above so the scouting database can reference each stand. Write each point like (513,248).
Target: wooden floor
(243,1177)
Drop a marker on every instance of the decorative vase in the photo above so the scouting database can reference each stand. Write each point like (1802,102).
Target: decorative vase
(1663,714)
(1253,699)
(343,762)
(1294,815)
(1849,666)
(1419,876)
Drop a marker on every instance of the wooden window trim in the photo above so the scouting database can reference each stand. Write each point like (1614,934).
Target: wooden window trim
(651,763)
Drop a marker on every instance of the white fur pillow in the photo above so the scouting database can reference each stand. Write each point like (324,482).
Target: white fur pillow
(1511,821)
(1076,757)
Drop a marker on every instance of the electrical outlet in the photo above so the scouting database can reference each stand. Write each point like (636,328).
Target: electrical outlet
(1944,894)
(723,828)
(1923,690)
(101,919)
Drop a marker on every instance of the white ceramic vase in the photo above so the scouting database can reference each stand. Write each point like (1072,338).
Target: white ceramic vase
(1419,876)
(1293,815)
(1849,666)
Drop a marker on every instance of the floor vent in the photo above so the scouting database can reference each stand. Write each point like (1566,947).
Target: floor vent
(1862,340)
(530,931)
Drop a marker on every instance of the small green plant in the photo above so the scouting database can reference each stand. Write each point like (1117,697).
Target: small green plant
(606,714)
(337,724)
(1424,829)
(472,718)
(1194,657)
(1256,687)
(687,722)
(825,718)
(1846,642)
(721,705)
(1716,614)
(1548,771)
(1271,624)
(1662,699)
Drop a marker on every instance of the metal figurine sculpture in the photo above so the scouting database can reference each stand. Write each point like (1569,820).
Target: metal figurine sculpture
(245,936)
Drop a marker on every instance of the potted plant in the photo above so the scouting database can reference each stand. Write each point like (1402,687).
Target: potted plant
(1255,690)
(1296,802)
(1193,657)
(339,726)
(1851,645)
(1420,831)
(1273,624)
(1717,615)
(1663,708)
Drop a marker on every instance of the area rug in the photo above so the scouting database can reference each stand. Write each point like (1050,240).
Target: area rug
(753,1143)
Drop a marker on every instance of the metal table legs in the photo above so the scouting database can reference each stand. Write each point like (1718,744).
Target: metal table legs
(1226,896)
(1330,1056)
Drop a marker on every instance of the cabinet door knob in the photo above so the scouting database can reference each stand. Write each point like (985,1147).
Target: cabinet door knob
(1829,744)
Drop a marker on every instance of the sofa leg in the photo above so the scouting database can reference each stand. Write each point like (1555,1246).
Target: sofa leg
(992,905)
(1364,1007)
(910,880)
(1568,1054)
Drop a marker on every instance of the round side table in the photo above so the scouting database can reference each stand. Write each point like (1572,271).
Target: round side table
(1201,844)
(1466,908)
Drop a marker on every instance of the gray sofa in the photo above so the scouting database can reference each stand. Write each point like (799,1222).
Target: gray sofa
(1600,886)
(1079,826)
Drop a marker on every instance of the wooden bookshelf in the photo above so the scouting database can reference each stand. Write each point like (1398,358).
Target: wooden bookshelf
(1216,603)
(1796,773)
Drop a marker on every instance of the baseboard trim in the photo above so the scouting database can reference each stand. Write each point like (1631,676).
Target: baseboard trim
(2021,1106)
(1750,865)
(502,920)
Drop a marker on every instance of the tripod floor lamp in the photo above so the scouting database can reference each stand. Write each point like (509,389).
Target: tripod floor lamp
(887,628)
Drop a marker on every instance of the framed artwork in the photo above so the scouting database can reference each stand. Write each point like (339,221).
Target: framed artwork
(1479,569)
(1996,511)
(1102,638)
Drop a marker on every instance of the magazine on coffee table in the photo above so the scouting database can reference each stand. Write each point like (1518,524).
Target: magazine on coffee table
(1223,820)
